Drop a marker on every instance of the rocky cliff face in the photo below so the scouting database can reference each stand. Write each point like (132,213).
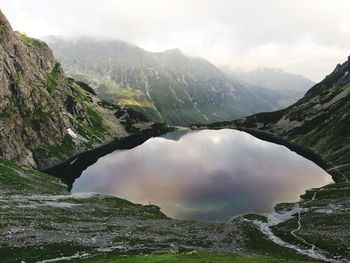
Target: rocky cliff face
(320,121)
(45,117)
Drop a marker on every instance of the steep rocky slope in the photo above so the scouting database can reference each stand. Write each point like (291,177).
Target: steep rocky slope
(320,121)
(44,116)
(167,86)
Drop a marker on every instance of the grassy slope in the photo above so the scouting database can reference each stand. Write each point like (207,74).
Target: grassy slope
(16,179)
(326,223)
(135,99)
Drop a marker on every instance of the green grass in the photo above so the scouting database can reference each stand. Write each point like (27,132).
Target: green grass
(32,42)
(108,206)
(336,185)
(14,178)
(9,177)
(132,98)
(283,231)
(94,129)
(327,231)
(329,243)
(327,193)
(78,92)
(62,151)
(102,200)
(52,78)
(126,96)
(188,258)
(40,252)
(256,242)
(94,134)
(96,121)
(284,206)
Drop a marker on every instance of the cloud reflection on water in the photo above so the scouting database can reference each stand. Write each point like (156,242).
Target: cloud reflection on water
(207,175)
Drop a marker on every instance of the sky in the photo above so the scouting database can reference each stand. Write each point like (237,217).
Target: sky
(298,36)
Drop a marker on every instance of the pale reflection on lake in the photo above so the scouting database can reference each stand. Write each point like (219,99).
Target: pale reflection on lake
(206,175)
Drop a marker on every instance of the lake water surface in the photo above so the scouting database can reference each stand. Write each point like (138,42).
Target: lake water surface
(205,175)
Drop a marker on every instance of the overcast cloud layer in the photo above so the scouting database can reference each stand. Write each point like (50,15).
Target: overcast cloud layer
(304,37)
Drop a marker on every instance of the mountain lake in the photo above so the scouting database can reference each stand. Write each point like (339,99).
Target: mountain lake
(209,175)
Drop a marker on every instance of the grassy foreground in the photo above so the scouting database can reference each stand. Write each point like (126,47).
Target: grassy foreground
(189,258)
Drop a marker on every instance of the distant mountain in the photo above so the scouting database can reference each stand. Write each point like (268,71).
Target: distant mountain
(167,86)
(286,87)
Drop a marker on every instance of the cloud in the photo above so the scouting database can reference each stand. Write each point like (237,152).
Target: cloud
(305,37)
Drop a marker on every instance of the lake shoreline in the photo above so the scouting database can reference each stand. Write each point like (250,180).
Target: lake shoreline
(299,149)
(71,169)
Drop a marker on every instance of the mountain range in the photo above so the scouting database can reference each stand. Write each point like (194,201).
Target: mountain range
(167,86)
